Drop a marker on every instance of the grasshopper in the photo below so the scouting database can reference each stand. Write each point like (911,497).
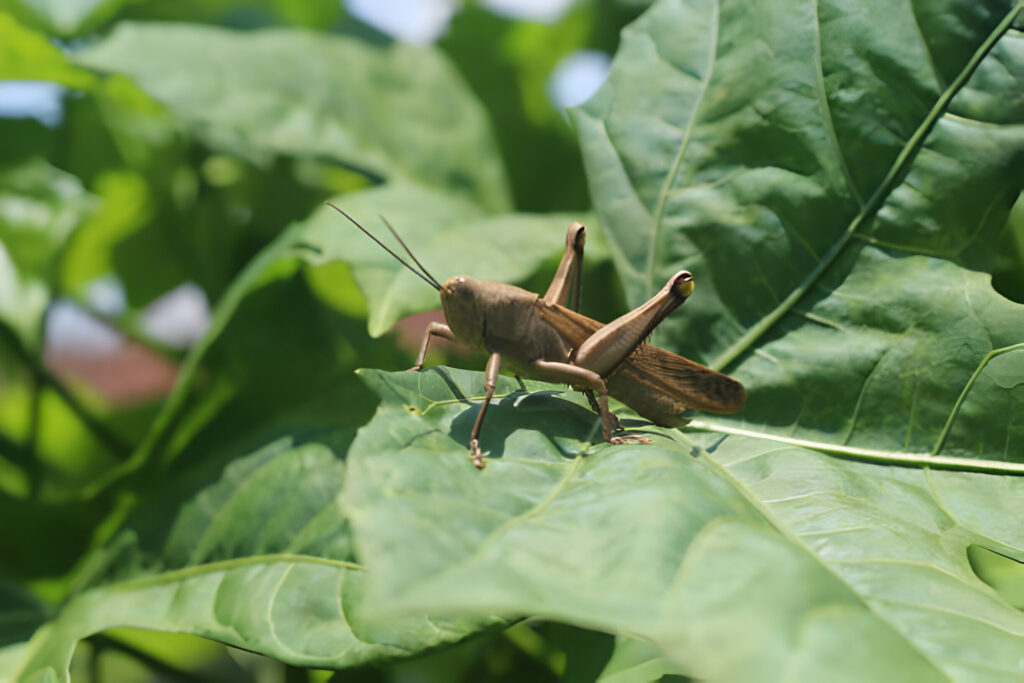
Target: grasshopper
(543,338)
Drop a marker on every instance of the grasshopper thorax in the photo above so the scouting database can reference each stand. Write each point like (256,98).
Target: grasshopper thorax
(499,317)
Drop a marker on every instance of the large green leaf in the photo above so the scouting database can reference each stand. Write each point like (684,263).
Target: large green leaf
(821,182)
(399,111)
(764,563)
(259,559)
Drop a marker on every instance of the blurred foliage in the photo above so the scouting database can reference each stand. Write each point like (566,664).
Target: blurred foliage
(198,143)
(155,176)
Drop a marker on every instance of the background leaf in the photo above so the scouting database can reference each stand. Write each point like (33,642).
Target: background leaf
(27,55)
(396,111)
(63,18)
(40,206)
(258,559)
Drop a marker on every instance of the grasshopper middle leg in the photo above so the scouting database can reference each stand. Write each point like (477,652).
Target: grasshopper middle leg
(490,381)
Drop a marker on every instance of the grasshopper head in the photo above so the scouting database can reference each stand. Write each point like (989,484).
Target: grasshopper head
(460,300)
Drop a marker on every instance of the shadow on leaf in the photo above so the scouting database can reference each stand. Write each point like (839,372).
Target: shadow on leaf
(559,421)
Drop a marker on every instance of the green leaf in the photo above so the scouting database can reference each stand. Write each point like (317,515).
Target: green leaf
(28,56)
(635,660)
(65,18)
(915,375)
(282,366)
(826,184)
(449,236)
(763,563)
(258,559)
(40,206)
(395,112)
(23,613)
(123,207)
(508,64)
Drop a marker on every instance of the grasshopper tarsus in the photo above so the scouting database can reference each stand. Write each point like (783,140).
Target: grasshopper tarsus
(475,455)
(628,439)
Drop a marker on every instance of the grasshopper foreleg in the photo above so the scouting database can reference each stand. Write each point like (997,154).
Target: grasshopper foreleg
(433,330)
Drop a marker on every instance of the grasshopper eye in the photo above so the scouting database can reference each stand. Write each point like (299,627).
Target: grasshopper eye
(682,283)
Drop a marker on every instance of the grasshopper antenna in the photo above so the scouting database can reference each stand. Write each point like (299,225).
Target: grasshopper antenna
(430,281)
(411,255)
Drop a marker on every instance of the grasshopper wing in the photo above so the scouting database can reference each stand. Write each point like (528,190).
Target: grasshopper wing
(689,383)
(658,384)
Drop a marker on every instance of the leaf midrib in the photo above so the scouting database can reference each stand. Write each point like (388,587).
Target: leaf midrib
(872,455)
(227,565)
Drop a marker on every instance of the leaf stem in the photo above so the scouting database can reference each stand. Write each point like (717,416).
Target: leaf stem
(923,460)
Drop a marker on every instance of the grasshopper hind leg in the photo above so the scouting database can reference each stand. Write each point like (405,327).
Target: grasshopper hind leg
(596,407)
(591,381)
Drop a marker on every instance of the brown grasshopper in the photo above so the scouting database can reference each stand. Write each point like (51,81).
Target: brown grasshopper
(541,338)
